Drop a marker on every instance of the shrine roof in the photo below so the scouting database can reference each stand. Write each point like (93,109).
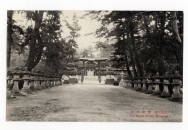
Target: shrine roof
(93,59)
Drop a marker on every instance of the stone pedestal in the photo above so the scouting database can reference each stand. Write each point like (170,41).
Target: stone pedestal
(121,83)
(9,82)
(37,85)
(55,82)
(125,83)
(49,83)
(150,86)
(129,84)
(157,89)
(32,87)
(52,82)
(135,84)
(76,78)
(46,82)
(15,90)
(42,83)
(59,81)
(144,89)
(9,87)
(176,91)
(165,92)
(26,86)
(139,85)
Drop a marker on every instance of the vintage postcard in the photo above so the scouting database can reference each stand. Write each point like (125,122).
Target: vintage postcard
(94,66)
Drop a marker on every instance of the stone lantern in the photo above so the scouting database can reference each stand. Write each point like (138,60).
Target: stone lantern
(166,83)
(26,78)
(126,82)
(76,77)
(49,81)
(121,83)
(42,79)
(46,81)
(9,85)
(144,89)
(52,80)
(55,81)
(135,82)
(16,78)
(38,79)
(176,91)
(157,83)
(82,76)
(9,81)
(150,86)
(139,84)
(32,79)
(129,82)
(59,79)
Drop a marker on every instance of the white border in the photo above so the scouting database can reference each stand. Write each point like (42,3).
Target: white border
(87,5)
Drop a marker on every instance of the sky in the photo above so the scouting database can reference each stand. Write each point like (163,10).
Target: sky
(87,26)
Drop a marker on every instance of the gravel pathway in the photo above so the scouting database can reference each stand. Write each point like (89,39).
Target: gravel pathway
(92,102)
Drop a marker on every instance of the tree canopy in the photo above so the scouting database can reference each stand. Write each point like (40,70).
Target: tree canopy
(42,41)
(139,41)
(146,41)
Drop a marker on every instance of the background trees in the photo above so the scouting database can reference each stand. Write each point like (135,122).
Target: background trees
(144,41)
(147,41)
(40,44)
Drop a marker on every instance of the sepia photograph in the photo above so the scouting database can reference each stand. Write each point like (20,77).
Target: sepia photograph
(94,66)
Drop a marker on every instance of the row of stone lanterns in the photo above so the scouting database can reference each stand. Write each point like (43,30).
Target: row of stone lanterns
(25,82)
(156,85)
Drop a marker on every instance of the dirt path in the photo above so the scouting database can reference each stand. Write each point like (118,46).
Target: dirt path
(92,102)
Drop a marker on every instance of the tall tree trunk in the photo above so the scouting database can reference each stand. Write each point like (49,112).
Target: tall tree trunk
(175,26)
(127,64)
(131,56)
(179,52)
(131,29)
(9,35)
(161,65)
(126,59)
(36,45)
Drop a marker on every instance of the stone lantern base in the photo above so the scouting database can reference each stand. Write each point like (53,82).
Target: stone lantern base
(149,91)
(165,94)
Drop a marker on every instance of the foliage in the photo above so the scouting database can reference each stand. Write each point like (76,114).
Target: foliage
(40,44)
(147,41)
